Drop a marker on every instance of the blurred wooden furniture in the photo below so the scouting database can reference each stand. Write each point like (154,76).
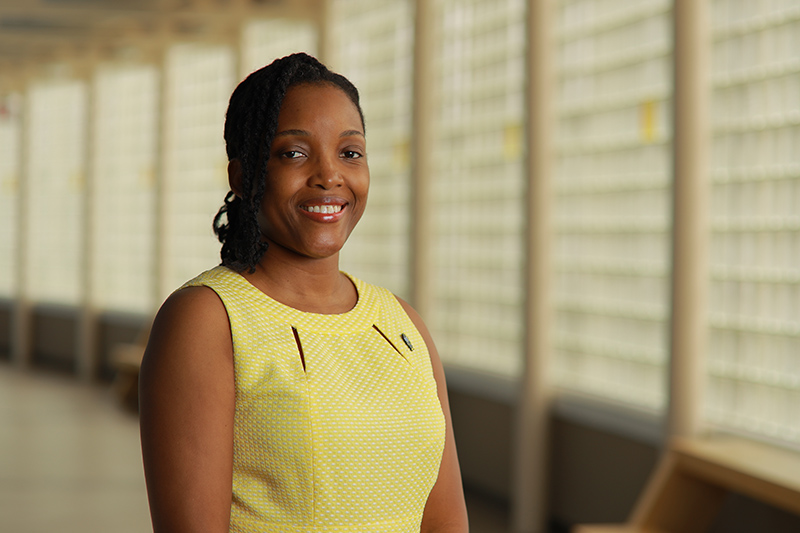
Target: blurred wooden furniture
(694,476)
(126,358)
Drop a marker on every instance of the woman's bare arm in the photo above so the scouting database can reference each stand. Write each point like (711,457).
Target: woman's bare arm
(186,404)
(446,510)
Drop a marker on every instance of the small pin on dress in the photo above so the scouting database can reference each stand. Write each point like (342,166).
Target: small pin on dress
(407,341)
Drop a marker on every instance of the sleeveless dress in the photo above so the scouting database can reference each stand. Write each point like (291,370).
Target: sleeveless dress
(338,425)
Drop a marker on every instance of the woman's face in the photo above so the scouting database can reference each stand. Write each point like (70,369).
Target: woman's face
(317,174)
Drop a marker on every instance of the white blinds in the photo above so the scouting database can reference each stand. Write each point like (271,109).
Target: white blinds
(478,186)
(613,198)
(10,130)
(754,341)
(55,181)
(200,79)
(124,173)
(373,48)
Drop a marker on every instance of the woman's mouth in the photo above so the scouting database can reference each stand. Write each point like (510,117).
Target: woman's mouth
(324,209)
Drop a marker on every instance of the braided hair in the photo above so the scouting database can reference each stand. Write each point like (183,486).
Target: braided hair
(250,125)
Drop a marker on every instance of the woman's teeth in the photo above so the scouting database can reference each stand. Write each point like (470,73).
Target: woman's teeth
(326,209)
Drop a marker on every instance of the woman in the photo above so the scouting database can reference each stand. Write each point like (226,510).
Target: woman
(278,393)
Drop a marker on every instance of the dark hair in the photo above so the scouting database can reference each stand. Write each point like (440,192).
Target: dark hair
(250,125)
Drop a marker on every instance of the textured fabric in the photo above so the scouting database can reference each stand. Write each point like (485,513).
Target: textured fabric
(347,438)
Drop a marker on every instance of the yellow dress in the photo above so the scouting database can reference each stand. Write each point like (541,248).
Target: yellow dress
(346,437)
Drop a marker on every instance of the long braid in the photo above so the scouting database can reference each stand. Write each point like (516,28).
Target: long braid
(250,126)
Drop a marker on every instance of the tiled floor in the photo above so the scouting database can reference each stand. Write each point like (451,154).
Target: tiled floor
(69,458)
(70,461)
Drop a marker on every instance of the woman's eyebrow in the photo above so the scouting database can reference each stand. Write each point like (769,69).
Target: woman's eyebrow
(304,133)
(292,132)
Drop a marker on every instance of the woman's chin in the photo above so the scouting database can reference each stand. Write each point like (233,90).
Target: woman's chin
(317,251)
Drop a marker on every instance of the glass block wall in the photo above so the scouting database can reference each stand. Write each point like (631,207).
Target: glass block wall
(124,188)
(199,81)
(612,187)
(478,185)
(10,131)
(56,184)
(612,207)
(373,48)
(754,320)
(266,40)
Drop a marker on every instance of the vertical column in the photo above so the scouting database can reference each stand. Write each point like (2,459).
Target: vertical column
(690,215)
(422,142)
(533,405)
(160,253)
(86,349)
(21,333)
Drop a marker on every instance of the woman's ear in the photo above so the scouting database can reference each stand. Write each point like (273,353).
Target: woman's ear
(235,176)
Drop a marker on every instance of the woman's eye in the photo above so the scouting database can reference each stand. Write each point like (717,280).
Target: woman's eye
(351,154)
(292,154)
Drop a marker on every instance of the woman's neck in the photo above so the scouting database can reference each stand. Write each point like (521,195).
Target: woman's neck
(311,285)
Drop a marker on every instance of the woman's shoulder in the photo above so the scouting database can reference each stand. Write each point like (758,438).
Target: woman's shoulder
(416,319)
(218,277)
(192,303)
(197,299)
(192,319)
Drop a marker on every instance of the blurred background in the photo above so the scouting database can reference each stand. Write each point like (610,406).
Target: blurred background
(594,285)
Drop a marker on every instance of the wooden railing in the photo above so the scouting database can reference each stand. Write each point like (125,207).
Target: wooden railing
(694,476)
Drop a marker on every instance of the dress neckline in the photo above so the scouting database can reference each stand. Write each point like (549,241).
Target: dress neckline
(358,317)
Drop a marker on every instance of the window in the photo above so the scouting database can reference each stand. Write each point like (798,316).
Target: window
(612,211)
(164,162)
(56,191)
(479,183)
(374,50)
(9,191)
(266,40)
(124,171)
(754,339)
(200,79)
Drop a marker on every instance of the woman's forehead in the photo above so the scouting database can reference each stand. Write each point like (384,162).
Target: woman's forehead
(310,102)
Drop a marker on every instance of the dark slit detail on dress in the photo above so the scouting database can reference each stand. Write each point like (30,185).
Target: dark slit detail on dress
(299,348)
(390,342)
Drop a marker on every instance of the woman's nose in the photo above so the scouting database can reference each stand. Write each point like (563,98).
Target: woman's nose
(327,173)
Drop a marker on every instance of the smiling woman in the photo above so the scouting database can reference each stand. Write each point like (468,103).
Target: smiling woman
(317,161)
(278,393)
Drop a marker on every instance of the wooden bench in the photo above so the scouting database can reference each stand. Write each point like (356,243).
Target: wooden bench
(693,478)
(126,358)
